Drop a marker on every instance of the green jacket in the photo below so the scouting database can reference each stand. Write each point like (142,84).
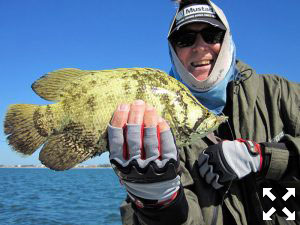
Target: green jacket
(262,108)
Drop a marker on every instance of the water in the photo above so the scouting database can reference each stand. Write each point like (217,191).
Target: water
(46,197)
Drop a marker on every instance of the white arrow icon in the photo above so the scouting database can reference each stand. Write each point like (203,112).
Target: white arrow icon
(290,216)
(267,215)
(290,192)
(267,191)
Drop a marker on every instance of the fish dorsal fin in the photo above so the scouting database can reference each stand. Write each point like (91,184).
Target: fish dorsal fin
(50,86)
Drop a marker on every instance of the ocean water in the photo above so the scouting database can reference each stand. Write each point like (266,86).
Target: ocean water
(73,197)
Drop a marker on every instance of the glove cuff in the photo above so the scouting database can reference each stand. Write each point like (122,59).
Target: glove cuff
(176,212)
(165,194)
(151,204)
(276,159)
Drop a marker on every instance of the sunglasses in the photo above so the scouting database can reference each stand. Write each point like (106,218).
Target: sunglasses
(186,38)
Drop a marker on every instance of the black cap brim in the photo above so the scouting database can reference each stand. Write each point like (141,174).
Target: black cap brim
(212,21)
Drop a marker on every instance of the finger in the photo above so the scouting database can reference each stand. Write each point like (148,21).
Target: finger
(134,129)
(167,145)
(151,144)
(162,124)
(210,176)
(150,116)
(215,183)
(116,141)
(167,141)
(151,139)
(120,116)
(134,140)
(136,113)
(203,165)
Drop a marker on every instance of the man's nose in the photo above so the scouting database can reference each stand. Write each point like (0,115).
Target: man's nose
(200,43)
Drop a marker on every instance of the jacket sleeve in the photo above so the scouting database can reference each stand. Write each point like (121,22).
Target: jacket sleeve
(185,207)
(282,159)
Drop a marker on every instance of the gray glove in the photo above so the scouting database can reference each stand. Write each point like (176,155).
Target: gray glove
(229,160)
(146,161)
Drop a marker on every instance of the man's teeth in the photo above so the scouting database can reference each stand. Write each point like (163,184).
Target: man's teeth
(201,63)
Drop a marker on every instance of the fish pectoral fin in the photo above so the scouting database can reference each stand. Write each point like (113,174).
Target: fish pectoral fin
(62,152)
(51,85)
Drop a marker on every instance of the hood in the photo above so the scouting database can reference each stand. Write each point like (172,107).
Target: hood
(212,91)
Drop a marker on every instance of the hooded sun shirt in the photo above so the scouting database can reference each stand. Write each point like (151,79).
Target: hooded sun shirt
(212,91)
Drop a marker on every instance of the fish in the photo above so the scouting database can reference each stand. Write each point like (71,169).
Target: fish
(73,128)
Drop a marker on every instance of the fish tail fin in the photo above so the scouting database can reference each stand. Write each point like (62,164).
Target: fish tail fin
(63,152)
(25,128)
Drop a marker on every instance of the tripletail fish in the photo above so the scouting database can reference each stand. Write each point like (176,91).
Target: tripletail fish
(74,128)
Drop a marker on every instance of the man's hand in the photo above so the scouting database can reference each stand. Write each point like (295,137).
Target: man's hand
(143,154)
(229,160)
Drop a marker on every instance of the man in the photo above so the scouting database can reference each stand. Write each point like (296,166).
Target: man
(220,178)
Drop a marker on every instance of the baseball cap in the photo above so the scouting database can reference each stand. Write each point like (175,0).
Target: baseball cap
(196,13)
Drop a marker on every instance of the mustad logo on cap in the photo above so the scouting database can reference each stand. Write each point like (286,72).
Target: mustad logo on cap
(195,11)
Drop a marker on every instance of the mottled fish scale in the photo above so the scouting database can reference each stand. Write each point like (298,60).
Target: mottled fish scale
(75,128)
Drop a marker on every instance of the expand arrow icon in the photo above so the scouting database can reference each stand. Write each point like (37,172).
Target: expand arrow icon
(267,192)
(290,216)
(290,192)
(267,215)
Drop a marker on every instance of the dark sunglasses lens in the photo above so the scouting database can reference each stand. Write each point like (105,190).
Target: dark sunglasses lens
(182,40)
(212,35)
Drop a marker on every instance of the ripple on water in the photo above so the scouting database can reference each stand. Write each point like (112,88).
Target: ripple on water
(74,197)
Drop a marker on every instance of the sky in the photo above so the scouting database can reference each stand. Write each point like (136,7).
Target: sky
(37,37)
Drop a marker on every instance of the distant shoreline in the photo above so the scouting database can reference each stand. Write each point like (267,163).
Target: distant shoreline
(44,167)
(49,168)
